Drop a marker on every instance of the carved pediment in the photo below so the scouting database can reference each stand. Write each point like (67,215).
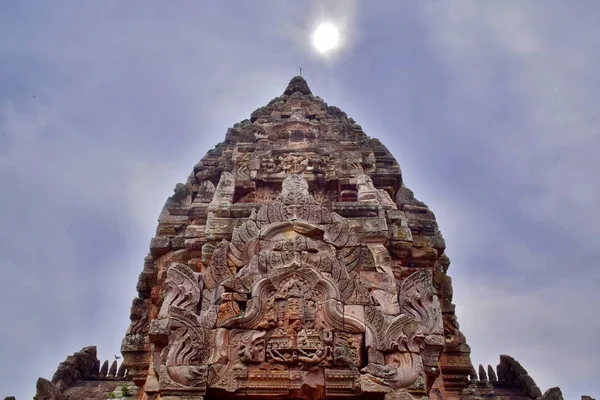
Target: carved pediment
(286,294)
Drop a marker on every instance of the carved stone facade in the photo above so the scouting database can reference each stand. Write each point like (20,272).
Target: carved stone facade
(294,263)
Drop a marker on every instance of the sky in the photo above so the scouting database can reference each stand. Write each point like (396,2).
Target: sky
(490,107)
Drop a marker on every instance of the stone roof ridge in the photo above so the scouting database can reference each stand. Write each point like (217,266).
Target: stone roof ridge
(82,365)
(509,377)
(297,84)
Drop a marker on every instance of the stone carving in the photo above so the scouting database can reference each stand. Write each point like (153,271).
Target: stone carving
(347,350)
(183,378)
(367,193)
(182,287)
(411,341)
(294,190)
(225,189)
(218,269)
(399,371)
(418,298)
(252,348)
(296,163)
(206,192)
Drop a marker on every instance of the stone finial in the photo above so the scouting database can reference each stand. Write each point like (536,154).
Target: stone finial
(297,84)
(501,369)
(473,375)
(113,369)
(180,191)
(492,374)
(104,370)
(206,192)
(225,189)
(121,371)
(294,190)
(482,374)
(10,398)
(366,189)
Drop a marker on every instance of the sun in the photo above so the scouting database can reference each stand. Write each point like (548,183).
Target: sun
(326,37)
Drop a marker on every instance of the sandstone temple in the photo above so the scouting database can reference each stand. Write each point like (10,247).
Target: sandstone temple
(294,264)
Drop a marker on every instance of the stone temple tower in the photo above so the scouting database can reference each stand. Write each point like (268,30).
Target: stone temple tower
(294,264)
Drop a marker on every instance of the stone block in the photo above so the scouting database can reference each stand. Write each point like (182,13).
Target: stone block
(159,331)
(194,246)
(194,231)
(198,211)
(160,245)
(423,256)
(178,243)
(220,228)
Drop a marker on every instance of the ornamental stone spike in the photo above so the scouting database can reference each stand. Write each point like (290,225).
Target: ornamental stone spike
(492,374)
(482,374)
(121,371)
(104,370)
(113,369)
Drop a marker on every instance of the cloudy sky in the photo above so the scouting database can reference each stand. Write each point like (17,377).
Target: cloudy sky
(489,106)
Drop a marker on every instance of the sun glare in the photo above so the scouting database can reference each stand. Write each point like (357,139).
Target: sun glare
(325,37)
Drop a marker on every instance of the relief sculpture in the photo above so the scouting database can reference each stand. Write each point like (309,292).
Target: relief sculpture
(287,295)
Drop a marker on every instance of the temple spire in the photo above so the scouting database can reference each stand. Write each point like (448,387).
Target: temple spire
(297,84)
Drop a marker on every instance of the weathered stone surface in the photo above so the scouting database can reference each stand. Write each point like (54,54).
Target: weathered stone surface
(553,394)
(294,263)
(46,390)
(159,246)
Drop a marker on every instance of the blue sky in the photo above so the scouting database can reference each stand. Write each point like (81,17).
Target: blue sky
(490,108)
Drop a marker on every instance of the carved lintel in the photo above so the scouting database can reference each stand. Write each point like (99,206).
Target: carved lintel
(261,379)
(183,379)
(342,381)
(368,385)
(398,395)
(230,380)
